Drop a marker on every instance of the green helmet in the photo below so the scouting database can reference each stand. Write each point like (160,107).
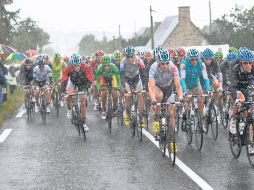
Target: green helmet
(105,60)
(218,55)
(233,49)
(57,56)
(117,55)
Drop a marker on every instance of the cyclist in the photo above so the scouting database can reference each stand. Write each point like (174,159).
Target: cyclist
(162,75)
(57,65)
(42,76)
(226,68)
(94,65)
(214,74)
(180,54)
(241,77)
(26,76)
(218,57)
(108,72)
(78,76)
(148,61)
(116,58)
(192,69)
(174,57)
(130,68)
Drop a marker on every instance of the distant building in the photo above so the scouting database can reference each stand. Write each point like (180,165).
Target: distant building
(178,31)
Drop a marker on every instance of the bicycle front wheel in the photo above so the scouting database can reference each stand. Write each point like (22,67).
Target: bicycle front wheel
(172,147)
(214,121)
(250,144)
(139,129)
(198,130)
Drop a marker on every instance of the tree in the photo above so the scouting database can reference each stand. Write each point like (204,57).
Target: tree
(88,44)
(7,19)
(236,28)
(29,36)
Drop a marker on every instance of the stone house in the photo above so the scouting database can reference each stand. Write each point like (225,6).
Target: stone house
(178,31)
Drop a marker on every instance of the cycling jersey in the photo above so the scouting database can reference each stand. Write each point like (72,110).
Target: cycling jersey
(213,71)
(226,69)
(240,80)
(25,75)
(82,78)
(42,75)
(190,75)
(94,65)
(130,72)
(113,71)
(113,61)
(57,70)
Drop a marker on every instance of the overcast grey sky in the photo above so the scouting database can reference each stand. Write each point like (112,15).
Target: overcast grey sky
(106,15)
(57,16)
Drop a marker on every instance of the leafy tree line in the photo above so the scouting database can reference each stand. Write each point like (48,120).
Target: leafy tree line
(235,28)
(89,44)
(22,35)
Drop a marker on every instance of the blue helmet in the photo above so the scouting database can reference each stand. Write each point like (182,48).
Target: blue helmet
(207,53)
(231,56)
(129,50)
(192,53)
(156,51)
(163,56)
(245,54)
(75,59)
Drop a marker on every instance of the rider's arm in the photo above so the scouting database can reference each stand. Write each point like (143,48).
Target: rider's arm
(122,73)
(183,75)
(99,73)
(151,83)
(175,73)
(205,77)
(117,74)
(219,75)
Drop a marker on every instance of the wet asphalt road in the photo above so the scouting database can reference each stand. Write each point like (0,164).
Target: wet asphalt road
(52,156)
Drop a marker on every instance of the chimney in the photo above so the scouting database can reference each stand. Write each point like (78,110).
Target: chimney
(184,14)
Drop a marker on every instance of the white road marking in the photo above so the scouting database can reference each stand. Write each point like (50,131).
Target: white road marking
(4,135)
(197,179)
(22,111)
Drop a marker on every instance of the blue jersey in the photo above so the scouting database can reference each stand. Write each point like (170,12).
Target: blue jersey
(191,75)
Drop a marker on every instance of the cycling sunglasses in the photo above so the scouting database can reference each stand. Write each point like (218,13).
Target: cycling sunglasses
(129,56)
(105,65)
(164,63)
(194,59)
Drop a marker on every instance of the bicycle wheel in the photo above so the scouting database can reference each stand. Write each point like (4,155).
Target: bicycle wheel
(139,129)
(57,103)
(43,115)
(163,139)
(177,118)
(109,113)
(214,121)
(28,109)
(120,112)
(235,144)
(198,130)
(82,130)
(77,119)
(189,126)
(225,115)
(172,147)
(133,125)
(250,144)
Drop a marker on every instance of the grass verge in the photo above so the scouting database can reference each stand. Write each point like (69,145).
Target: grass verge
(11,105)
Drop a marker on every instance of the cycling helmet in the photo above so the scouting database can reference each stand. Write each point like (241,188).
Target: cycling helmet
(172,52)
(117,55)
(148,55)
(66,59)
(28,61)
(207,53)
(57,56)
(231,56)
(45,56)
(105,60)
(218,55)
(156,51)
(76,60)
(245,54)
(192,53)
(129,50)
(163,56)
(180,51)
(233,49)
(41,62)
(99,53)
(141,54)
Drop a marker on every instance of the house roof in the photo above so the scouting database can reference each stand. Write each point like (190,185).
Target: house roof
(164,31)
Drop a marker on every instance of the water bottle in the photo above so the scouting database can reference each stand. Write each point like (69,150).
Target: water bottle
(163,121)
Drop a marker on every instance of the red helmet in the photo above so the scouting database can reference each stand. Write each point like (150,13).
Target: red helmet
(148,55)
(172,52)
(99,53)
(181,51)
(66,59)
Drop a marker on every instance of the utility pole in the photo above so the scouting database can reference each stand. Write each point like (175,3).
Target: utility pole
(119,33)
(210,15)
(151,19)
